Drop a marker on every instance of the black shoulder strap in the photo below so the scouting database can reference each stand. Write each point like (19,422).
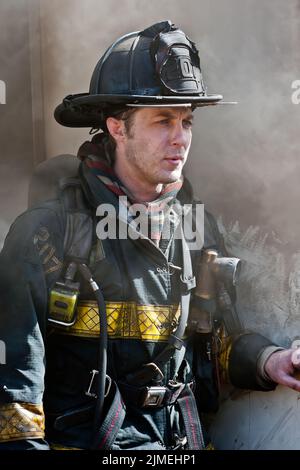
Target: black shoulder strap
(79,221)
(78,238)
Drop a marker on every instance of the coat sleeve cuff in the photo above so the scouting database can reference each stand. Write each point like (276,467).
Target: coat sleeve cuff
(248,355)
(21,421)
(263,357)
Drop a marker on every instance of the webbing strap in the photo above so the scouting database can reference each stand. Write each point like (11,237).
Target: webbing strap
(113,420)
(188,282)
(108,429)
(190,416)
(79,222)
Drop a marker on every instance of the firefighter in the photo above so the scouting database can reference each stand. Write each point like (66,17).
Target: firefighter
(119,341)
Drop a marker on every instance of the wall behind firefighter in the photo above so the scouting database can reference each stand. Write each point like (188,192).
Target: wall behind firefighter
(244,162)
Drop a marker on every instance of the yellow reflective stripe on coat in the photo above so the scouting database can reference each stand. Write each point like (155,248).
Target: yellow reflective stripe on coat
(126,320)
(62,447)
(21,421)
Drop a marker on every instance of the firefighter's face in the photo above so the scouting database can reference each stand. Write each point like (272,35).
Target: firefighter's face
(156,145)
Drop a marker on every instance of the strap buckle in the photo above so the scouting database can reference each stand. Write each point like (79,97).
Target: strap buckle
(154,396)
(108,382)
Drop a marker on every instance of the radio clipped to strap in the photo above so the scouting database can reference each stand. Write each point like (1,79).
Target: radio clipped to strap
(63,299)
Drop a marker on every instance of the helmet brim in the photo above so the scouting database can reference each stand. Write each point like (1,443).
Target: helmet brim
(85,110)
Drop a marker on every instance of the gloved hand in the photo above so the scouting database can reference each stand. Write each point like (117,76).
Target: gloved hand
(282,366)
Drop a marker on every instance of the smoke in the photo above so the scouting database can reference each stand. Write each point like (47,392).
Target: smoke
(16,146)
(245,162)
(2,92)
(244,159)
(4,226)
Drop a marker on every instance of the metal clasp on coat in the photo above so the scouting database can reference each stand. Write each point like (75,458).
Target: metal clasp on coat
(108,383)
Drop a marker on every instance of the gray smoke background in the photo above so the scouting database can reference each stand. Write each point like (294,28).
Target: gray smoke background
(244,163)
(16,144)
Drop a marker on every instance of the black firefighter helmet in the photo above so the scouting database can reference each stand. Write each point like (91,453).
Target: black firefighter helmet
(159,66)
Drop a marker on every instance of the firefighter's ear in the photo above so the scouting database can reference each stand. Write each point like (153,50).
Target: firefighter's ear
(116,128)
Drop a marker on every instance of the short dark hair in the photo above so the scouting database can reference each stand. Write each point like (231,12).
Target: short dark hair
(125,114)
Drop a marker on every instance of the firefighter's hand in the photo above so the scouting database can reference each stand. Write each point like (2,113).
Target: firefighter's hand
(282,366)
